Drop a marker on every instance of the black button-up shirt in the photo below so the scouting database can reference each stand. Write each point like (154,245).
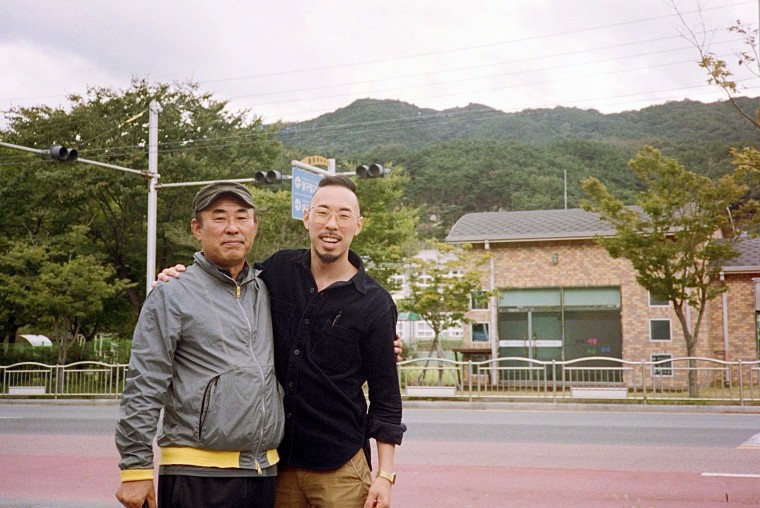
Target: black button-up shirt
(327,344)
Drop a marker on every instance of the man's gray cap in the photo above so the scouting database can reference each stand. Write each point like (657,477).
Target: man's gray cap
(211,192)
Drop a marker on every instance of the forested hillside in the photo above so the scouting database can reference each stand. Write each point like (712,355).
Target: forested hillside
(480,159)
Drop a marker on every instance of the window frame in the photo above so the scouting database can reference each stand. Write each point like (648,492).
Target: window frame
(655,302)
(487,327)
(663,369)
(670,330)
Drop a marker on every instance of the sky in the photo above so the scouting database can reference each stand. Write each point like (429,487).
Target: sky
(293,60)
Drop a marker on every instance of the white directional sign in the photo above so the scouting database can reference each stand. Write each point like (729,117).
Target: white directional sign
(304,184)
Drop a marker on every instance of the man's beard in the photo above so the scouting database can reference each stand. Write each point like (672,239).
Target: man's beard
(327,258)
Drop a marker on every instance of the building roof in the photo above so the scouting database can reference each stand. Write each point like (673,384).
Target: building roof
(530,225)
(571,224)
(748,260)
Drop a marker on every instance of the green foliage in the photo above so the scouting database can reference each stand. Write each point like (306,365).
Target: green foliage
(58,283)
(199,140)
(477,159)
(440,287)
(388,236)
(277,229)
(672,236)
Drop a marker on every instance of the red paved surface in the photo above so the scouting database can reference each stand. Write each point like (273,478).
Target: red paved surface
(81,471)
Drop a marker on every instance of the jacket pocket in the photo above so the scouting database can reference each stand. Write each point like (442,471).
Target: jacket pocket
(231,416)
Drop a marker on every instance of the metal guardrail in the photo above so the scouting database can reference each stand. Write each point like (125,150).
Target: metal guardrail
(74,380)
(509,378)
(599,378)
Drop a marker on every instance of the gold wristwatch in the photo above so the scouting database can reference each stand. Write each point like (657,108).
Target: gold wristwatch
(391,477)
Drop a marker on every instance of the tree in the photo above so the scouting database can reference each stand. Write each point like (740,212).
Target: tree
(19,303)
(277,229)
(70,292)
(56,284)
(719,71)
(672,238)
(198,140)
(440,288)
(388,236)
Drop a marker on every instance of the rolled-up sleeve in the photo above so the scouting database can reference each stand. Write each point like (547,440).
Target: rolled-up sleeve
(385,409)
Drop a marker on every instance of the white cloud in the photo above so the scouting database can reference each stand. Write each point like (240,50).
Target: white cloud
(294,60)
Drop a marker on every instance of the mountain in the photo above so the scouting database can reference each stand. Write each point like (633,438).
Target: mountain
(368,123)
(476,158)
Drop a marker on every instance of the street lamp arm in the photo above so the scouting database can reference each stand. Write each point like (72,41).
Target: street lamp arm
(190,184)
(85,161)
(143,172)
(24,148)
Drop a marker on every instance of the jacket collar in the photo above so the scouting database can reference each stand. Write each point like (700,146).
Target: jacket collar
(246,275)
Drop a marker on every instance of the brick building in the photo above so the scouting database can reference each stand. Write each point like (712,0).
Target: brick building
(561,296)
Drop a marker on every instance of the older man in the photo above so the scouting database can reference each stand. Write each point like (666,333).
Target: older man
(202,351)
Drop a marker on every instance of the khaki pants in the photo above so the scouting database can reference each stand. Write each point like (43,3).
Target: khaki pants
(345,487)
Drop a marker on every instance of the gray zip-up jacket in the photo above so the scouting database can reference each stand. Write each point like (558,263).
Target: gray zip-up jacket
(202,350)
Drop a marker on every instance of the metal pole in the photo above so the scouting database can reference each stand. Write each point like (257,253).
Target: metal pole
(150,262)
(565,171)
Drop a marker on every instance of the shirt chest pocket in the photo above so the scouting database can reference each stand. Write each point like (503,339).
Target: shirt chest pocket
(337,351)
(284,320)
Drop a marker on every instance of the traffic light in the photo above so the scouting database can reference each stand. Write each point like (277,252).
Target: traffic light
(267,177)
(61,153)
(371,171)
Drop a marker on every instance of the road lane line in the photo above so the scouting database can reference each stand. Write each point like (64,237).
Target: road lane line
(732,475)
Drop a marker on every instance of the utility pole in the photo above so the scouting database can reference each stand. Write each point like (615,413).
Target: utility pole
(150,261)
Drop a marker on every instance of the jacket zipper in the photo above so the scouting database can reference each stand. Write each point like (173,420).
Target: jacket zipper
(261,372)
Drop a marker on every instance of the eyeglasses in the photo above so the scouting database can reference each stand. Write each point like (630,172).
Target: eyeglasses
(321,215)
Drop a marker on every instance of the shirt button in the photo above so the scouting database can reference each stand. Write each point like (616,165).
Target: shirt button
(306,321)
(290,384)
(311,290)
(288,415)
(297,352)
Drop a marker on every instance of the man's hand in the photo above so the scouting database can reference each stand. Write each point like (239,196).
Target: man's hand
(398,346)
(379,494)
(168,274)
(137,494)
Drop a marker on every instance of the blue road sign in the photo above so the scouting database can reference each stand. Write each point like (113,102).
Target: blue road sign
(304,184)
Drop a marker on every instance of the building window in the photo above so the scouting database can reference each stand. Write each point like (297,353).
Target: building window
(478,300)
(664,368)
(479,332)
(658,300)
(659,330)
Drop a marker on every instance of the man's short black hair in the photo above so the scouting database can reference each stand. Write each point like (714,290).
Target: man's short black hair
(339,180)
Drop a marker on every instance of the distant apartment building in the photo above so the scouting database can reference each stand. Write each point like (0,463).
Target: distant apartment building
(410,327)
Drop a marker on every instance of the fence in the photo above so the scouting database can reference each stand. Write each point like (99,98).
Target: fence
(686,379)
(74,380)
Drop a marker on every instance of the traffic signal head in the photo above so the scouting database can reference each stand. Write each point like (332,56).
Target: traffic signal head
(371,171)
(267,177)
(61,153)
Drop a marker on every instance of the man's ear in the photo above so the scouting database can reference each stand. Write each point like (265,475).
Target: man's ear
(196,227)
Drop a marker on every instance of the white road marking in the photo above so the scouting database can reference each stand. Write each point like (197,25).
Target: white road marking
(732,475)
(753,442)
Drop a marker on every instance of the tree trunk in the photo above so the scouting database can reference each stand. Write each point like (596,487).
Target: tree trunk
(435,346)
(691,344)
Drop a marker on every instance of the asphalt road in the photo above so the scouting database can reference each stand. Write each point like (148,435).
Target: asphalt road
(62,455)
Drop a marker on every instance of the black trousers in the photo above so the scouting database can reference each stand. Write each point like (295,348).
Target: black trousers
(179,491)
